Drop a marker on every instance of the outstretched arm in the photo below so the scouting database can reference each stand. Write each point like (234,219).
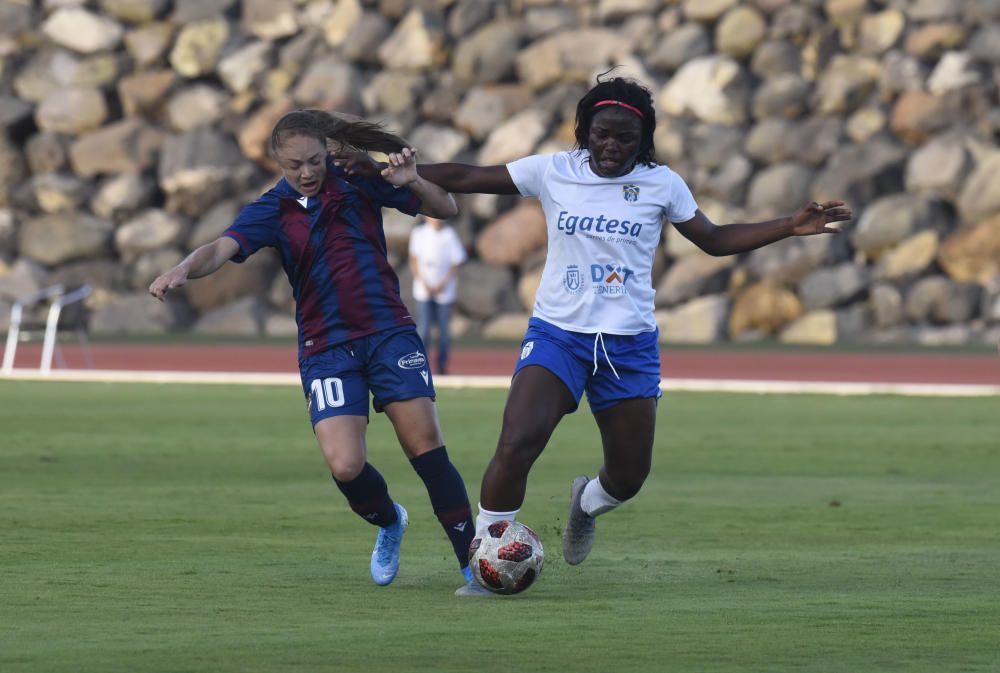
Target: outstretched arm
(203,261)
(467,179)
(455,178)
(731,239)
(402,171)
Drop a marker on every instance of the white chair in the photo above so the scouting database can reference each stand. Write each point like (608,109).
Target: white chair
(20,331)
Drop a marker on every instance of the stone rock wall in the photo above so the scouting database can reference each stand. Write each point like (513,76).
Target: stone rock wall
(135,129)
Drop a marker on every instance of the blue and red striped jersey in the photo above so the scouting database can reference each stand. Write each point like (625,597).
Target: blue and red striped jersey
(333,250)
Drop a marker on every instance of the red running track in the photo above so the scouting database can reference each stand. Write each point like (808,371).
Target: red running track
(813,365)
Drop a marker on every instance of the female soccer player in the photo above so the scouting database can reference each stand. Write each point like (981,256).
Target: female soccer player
(355,333)
(592,327)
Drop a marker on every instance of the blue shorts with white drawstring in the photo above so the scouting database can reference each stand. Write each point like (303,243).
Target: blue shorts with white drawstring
(609,367)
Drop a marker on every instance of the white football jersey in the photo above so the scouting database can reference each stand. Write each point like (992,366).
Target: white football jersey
(603,235)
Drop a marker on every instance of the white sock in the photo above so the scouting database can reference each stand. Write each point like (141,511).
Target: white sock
(487,517)
(595,500)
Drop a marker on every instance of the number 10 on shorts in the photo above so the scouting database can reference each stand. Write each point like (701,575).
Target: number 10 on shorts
(327,393)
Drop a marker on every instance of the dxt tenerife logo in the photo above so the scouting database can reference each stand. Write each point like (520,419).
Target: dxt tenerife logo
(573,280)
(630,192)
(610,280)
(590,225)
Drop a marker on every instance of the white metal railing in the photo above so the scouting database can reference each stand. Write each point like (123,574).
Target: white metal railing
(61,299)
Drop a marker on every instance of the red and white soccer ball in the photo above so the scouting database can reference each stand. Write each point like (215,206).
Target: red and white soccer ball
(508,559)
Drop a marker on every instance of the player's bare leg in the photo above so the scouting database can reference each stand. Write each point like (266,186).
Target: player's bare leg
(537,401)
(627,431)
(342,439)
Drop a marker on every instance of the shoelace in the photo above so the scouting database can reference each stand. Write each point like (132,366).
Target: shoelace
(599,337)
(385,543)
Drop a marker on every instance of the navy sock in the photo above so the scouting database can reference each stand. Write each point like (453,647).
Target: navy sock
(448,498)
(368,496)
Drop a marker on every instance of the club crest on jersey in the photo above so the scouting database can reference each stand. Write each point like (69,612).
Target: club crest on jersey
(630,192)
(610,279)
(526,350)
(573,280)
(414,360)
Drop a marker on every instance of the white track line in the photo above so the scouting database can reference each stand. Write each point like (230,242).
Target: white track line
(701,385)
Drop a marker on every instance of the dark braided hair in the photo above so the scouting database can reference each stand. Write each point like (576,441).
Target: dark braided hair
(345,134)
(626,91)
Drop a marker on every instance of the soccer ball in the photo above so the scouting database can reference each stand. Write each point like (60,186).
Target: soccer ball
(508,559)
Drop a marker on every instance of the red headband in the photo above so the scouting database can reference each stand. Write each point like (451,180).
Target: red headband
(624,105)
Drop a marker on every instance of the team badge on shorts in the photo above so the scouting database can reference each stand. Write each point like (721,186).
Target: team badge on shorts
(573,280)
(630,192)
(414,360)
(526,350)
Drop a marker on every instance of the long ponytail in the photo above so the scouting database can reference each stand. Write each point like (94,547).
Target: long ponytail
(343,133)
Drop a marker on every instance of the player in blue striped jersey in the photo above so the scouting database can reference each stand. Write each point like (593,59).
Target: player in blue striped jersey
(355,334)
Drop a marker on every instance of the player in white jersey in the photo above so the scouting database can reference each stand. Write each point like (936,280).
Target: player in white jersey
(593,329)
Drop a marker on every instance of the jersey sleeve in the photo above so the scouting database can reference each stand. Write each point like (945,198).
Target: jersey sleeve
(682,205)
(255,227)
(527,173)
(387,195)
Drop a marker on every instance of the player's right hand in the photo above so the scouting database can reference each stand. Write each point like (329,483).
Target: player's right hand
(357,163)
(176,277)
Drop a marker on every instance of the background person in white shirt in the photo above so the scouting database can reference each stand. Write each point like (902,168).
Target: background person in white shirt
(435,255)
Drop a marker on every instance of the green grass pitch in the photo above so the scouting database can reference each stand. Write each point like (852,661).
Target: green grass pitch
(194,528)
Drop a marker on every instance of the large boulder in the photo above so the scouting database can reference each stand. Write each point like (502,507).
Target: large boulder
(197,168)
(701,320)
(138,313)
(25,277)
(980,197)
(939,167)
(128,146)
(515,138)
(269,19)
(833,286)
(81,30)
(892,219)
(242,318)
(909,258)
(972,254)
(691,276)
(147,232)
(71,111)
(513,236)
(486,107)
(571,55)
(938,299)
(763,307)
(714,89)
(143,93)
(489,54)
(485,290)
(198,47)
(61,237)
(417,43)
(815,327)
(330,83)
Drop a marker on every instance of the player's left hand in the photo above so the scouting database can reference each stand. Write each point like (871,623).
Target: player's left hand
(357,163)
(402,168)
(814,218)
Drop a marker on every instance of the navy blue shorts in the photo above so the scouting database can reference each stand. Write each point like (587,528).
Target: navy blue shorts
(628,365)
(391,364)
